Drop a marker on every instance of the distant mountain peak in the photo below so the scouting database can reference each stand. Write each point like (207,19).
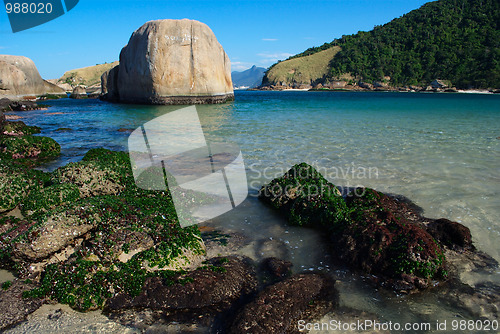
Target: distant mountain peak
(250,78)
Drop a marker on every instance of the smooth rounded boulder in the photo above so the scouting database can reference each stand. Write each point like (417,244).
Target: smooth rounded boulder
(19,78)
(171,62)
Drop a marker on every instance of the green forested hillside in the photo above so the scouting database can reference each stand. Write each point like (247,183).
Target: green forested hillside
(457,40)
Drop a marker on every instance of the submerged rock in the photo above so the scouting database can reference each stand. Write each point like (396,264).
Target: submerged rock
(171,62)
(278,307)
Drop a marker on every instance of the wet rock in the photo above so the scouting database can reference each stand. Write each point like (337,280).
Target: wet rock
(373,232)
(382,240)
(451,234)
(221,282)
(276,267)
(28,150)
(14,307)
(278,307)
(23,106)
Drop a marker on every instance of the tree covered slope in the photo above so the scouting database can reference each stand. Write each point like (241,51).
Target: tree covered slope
(456,40)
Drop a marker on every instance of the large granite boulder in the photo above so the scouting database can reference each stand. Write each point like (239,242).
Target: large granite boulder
(171,62)
(19,78)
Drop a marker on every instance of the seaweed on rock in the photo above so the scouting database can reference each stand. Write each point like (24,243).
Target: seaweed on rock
(369,230)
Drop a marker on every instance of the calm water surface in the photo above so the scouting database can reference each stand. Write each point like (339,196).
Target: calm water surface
(439,150)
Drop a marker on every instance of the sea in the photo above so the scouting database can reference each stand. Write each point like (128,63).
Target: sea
(440,150)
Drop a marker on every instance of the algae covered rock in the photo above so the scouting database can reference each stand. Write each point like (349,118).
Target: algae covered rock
(15,186)
(215,285)
(19,129)
(55,230)
(101,172)
(277,308)
(370,231)
(28,150)
(381,239)
(306,198)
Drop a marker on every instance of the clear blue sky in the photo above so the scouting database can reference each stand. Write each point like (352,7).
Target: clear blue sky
(251,32)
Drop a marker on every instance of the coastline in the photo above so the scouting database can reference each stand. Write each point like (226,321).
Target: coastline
(274,248)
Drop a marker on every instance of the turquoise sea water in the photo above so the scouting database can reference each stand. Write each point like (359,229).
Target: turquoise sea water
(439,150)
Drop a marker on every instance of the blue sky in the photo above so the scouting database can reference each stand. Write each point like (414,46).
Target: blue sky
(251,32)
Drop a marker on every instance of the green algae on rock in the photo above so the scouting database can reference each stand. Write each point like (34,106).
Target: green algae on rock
(28,150)
(50,197)
(368,230)
(306,198)
(118,233)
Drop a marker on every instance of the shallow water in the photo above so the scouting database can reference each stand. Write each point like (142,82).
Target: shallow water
(439,150)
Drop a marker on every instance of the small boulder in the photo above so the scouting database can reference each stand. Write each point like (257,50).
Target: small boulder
(79,92)
(278,307)
(451,234)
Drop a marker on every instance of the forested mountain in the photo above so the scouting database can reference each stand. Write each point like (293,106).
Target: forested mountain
(456,40)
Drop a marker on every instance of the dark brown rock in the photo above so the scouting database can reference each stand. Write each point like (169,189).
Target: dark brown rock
(276,267)
(278,307)
(223,281)
(451,234)
(14,308)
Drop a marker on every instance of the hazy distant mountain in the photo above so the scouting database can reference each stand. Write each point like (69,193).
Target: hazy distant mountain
(249,78)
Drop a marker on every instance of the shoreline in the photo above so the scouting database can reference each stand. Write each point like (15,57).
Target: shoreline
(459,91)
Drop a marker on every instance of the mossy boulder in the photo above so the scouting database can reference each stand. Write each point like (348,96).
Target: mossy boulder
(101,172)
(369,230)
(28,150)
(306,198)
(15,186)
(92,179)
(49,198)
(19,128)
(386,237)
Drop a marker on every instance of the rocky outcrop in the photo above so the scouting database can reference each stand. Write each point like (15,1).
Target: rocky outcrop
(171,62)
(79,92)
(378,234)
(439,84)
(20,79)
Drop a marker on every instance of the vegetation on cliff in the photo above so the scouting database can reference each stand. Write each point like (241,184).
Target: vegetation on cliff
(457,40)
